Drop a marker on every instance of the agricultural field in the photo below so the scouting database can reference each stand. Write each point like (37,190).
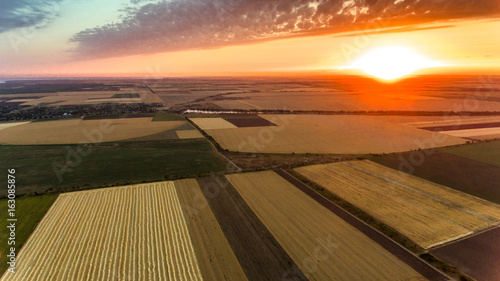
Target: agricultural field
(350,93)
(335,100)
(427,213)
(324,134)
(76,131)
(467,175)
(487,152)
(214,254)
(189,134)
(29,211)
(213,123)
(477,256)
(64,167)
(323,245)
(141,234)
(470,128)
(6,125)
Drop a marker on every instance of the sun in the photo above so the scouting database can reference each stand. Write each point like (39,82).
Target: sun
(389,63)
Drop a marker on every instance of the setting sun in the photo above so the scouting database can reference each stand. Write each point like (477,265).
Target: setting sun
(390,63)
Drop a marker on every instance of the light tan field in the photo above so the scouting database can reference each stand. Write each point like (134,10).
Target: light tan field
(215,256)
(213,123)
(70,98)
(84,131)
(336,134)
(4,126)
(427,213)
(436,121)
(323,245)
(21,100)
(189,134)
(127,233)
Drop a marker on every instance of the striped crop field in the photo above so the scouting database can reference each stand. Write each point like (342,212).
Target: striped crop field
(427,213)
(324,246)
(136,232)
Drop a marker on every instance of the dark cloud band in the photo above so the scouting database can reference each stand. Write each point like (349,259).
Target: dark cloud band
(26,13)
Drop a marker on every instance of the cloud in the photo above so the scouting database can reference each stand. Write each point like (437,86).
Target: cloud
(26,13)
(150,27)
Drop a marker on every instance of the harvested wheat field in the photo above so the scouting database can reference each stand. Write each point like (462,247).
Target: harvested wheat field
(127,233)
(346,134)
(427,213)
(212,123)
(216,259)
(4,126)
(189,134)
(324,246)
(84,131)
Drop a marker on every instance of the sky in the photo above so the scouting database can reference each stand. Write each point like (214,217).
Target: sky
(147,38)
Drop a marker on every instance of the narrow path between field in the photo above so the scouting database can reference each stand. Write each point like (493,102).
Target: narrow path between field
(390,245)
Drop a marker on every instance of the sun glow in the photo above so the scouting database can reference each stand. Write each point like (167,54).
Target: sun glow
(391,63)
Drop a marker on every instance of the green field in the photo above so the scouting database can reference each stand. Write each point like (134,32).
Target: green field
(125,96)
(109,163)
(487,152)
(29,211)
(164,116)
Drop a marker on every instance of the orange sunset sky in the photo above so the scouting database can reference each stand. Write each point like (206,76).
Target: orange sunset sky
(233,37)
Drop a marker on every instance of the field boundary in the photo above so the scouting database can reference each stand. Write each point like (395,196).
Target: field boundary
(215,146)
(383,240)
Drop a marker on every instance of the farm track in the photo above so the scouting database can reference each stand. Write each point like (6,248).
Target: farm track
(390,245)
(260,255)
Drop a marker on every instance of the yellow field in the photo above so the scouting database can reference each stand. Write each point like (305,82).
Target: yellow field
(427,213)
(347,134)
(212,123)
(215,256)
(189,134)
(84,131)
(128,233)
(70,98)
(323,245)
(4,126)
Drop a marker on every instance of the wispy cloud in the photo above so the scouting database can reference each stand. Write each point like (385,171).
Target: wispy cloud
(27,13)
(150,27)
